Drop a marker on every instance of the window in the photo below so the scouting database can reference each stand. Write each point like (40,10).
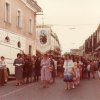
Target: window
(30,49)
(7,39)
(19,44)
(30,25)
(19,18)
(7,12)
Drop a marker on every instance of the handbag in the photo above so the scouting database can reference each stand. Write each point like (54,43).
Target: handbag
(50,68)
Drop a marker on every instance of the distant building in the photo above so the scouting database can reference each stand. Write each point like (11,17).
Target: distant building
(92,45)
(47,41)
(17,27)
(79,51)
(75,52)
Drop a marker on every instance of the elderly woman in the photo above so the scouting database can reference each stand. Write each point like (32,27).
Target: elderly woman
(45,71)
(18,63)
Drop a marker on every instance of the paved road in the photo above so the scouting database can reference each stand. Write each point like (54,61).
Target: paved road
(88,90)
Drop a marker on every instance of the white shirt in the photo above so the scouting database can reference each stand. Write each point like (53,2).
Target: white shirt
(68,65)
(2,64)
(88,67)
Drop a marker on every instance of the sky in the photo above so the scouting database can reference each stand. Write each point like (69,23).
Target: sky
(72,20)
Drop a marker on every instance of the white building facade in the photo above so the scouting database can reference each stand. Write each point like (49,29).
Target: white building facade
(17,28)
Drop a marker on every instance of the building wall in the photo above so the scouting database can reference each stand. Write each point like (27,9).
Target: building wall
(76,52)
(92,45)
(54,43)
(12,27)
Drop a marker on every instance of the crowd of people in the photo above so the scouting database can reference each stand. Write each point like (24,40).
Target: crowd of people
(30,69)
(77,68)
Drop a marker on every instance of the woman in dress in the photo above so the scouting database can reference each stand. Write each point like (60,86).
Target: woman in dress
(68,72)
(53,70)
(18,63)
(45,71)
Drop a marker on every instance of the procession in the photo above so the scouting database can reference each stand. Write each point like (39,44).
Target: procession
(29,69)
(49,50)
